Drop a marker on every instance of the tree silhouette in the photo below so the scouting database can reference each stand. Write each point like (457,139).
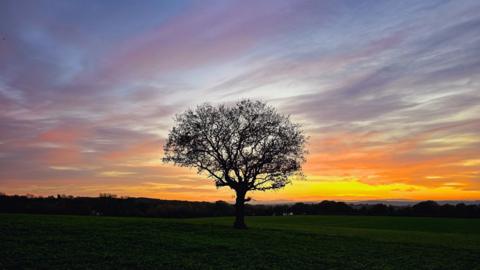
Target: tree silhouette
(247,146)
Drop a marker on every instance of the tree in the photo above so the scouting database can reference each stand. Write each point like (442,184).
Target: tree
(247,146)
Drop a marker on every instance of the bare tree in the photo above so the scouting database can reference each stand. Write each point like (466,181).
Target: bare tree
(247,146)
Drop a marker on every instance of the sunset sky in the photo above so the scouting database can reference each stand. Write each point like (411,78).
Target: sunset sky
(387,91)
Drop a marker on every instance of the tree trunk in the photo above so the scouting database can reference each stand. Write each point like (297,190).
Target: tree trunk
(240,210)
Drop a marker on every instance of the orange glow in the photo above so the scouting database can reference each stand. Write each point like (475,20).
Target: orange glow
(341,167)
(86,102)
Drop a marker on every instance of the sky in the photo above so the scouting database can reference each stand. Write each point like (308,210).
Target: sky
(387,91)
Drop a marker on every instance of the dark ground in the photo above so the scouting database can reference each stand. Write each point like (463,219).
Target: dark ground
(294,242)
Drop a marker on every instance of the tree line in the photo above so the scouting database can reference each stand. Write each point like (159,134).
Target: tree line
(111,205)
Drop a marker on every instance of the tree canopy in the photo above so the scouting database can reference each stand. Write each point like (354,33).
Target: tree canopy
(245,146)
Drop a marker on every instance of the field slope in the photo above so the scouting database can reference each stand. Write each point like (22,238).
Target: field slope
(294,242)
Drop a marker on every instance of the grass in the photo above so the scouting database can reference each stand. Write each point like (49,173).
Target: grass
(292,242)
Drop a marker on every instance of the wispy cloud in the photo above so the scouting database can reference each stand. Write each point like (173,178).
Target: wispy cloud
(388,91)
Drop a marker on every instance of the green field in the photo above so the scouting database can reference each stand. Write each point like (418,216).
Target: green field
(292,242)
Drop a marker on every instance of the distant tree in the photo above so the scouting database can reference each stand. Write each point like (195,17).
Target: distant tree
(333,208)
(426,208)
(301,209)
(247,146)
(107,196)
(380,209)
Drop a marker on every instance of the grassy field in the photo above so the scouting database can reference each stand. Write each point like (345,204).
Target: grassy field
(293,242)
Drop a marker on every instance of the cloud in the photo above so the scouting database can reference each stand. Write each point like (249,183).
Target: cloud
(387,91)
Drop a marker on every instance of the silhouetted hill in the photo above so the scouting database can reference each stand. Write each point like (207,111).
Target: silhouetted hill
(402,202)
(111,205)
